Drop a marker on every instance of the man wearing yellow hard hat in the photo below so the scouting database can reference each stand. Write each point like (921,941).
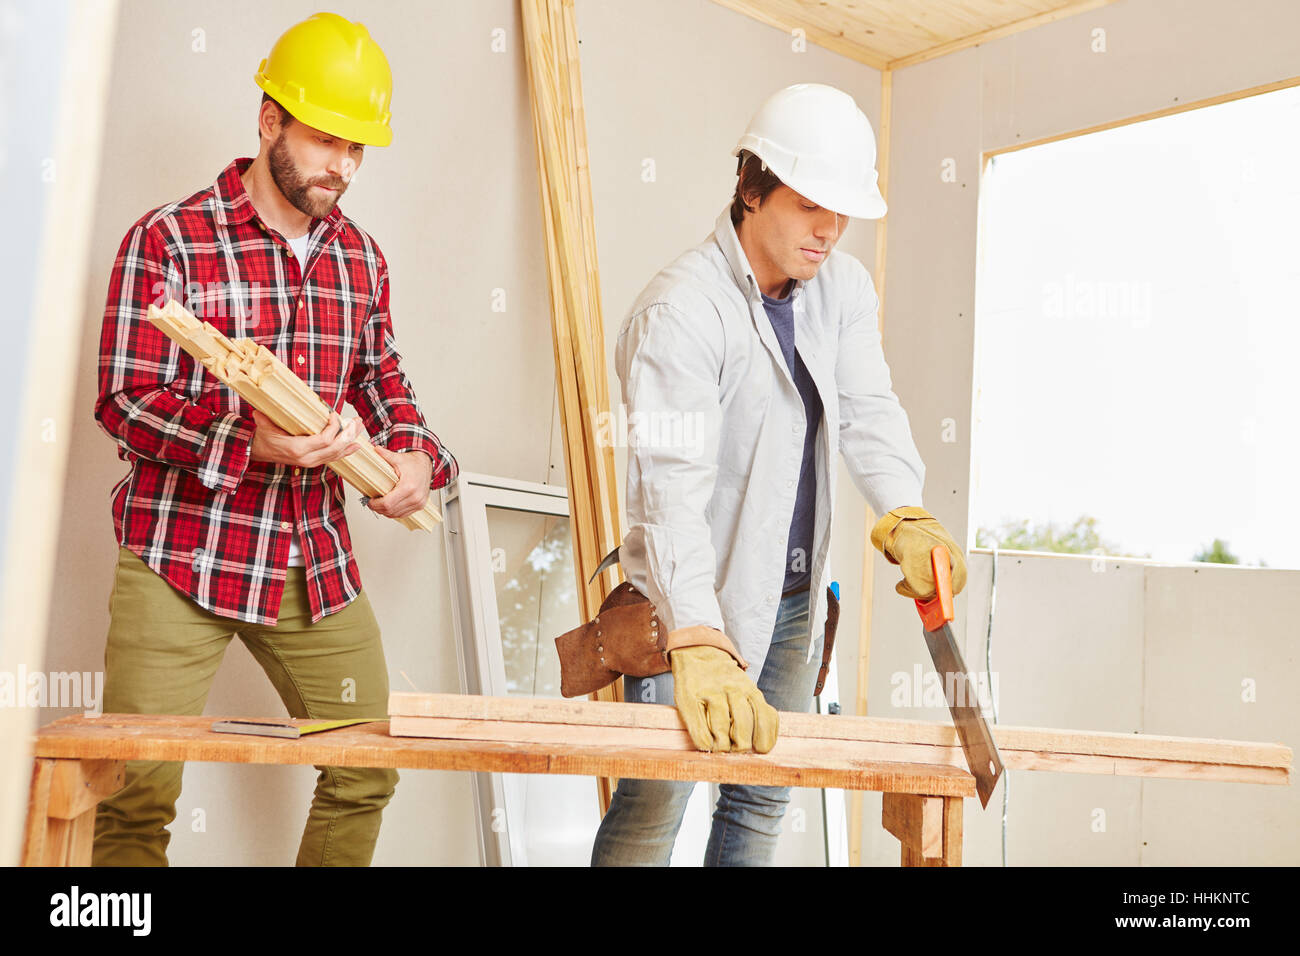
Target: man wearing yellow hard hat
(225,523)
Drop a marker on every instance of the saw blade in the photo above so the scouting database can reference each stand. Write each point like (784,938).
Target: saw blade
(963,702)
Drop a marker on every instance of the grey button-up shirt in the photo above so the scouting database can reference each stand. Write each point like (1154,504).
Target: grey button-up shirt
(716,429)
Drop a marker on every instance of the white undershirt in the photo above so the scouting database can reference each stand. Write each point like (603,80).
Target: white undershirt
(299,247)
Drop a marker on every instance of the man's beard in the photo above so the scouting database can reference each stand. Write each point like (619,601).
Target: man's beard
(296,188)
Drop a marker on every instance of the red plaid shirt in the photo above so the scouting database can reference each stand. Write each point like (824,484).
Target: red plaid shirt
(194,507)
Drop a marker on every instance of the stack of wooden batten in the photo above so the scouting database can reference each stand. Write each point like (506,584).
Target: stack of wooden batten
(254,373)
(559,125)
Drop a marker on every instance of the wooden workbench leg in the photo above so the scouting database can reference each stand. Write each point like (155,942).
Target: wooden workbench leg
(38,803)
(61,810)
(952,807)
(928,828)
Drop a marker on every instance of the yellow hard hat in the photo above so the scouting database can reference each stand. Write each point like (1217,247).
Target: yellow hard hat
(328,73)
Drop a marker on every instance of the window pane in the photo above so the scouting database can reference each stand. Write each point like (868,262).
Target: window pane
(532,565)
(1136,331)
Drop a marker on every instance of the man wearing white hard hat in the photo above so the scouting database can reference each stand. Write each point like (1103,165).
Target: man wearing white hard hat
(765,338)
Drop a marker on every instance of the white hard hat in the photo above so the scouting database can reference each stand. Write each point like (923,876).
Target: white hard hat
(814,139)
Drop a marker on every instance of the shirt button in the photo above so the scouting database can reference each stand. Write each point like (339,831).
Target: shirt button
(794,429)
(297,470)
(285,526)
(789,484)
(302,360)
(289,253)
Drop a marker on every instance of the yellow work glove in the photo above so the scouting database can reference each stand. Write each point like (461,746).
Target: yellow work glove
(721,707)
(905,536)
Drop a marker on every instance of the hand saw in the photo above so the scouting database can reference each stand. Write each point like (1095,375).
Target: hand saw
(959,690)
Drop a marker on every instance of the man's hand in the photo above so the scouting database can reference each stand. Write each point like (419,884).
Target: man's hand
(905,536)
(414,473)
(336,440)
(721,707)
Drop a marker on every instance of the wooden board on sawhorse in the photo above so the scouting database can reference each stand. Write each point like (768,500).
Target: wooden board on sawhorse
(79,763)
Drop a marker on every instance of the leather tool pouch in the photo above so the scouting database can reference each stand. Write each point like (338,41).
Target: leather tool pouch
(627,638)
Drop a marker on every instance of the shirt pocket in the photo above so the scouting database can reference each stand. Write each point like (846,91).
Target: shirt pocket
(336,329)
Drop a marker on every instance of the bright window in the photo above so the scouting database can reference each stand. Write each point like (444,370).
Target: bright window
(1138,332)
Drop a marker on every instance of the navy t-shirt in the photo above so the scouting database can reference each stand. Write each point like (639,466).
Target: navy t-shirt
(798,570)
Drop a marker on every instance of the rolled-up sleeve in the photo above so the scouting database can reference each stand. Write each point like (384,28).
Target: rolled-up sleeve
(875,436)
(668,363)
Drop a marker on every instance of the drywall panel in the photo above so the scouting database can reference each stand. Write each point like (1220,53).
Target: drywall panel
(1129,58)
(1221,661)
(1066,641)
(929,328)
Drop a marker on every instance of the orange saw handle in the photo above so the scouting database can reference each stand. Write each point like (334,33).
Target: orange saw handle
(938,610)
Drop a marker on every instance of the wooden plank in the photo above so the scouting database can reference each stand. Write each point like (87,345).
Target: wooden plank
(1037,744)
(151,737)
(80,846)
(792,745)
(656,738)
(869,517)
(38,804)
(58,842)
(916,820)
(952,831)
(1129,767)
(559,129)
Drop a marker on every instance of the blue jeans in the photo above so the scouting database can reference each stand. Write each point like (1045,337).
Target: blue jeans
(644,815)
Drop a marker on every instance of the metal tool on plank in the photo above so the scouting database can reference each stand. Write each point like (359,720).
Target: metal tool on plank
(958,689)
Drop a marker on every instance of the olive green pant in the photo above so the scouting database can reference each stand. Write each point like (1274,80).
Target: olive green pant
(162,653)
